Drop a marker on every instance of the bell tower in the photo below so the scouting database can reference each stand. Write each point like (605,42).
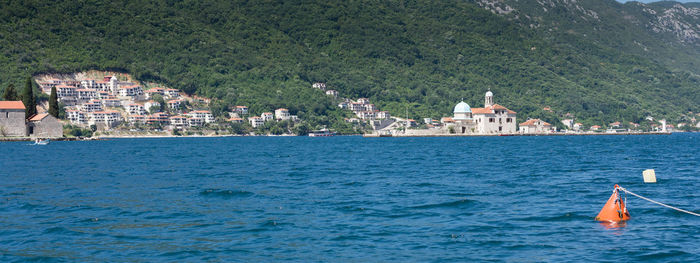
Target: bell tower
(488,99)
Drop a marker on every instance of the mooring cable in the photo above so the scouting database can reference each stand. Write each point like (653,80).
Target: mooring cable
(657,202)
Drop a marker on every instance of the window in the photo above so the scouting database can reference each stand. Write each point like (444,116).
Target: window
(492,119)
(509,120)
(500,128)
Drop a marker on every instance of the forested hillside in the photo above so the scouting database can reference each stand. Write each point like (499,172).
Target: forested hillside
(423,56)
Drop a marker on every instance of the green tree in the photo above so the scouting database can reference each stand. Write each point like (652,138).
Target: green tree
(53,103)
(158,98)
(29,99)
(10,93)
(302,129)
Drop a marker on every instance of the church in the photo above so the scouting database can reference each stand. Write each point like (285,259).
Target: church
(491,119)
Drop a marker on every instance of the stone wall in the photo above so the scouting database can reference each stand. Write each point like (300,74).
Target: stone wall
(12,123)
(49,127)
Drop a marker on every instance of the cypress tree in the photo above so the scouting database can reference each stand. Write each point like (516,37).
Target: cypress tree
(53,103)
(10,93)
(28,99)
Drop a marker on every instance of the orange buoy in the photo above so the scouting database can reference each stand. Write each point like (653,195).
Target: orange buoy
(615,209)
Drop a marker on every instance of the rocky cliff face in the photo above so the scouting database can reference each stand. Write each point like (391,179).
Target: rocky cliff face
(664,32)
(681,21)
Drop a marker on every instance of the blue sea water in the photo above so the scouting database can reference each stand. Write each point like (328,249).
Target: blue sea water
(347,199)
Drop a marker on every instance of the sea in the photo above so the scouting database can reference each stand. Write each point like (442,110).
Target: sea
(348,199)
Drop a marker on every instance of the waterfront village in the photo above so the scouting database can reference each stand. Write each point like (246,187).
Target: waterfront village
(113,103)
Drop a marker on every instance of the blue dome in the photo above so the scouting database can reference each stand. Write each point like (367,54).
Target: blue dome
(462,107)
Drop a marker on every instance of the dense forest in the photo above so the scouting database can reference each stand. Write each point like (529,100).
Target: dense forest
(415,56)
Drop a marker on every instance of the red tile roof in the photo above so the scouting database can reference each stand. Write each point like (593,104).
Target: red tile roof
(447,119)
(12,105)
(498,107)
(531,122)
(481,111)
(490,109)
(38,117)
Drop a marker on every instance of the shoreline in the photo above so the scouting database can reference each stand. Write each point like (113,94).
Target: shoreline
(100,138)
(376,135)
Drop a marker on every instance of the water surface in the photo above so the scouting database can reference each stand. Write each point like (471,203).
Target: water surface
(350,199)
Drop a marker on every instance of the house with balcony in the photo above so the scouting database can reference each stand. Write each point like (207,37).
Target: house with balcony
(256,121)
(267,116)
(282,114)
(241,110)
(205,115)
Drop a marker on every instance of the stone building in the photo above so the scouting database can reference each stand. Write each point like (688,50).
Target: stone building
(491,119)
(12,122)
(535,126)
(45,126)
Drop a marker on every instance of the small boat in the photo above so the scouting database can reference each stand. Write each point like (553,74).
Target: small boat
(321,133)
(41,142)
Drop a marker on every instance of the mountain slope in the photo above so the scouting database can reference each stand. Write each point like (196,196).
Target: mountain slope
(417,56)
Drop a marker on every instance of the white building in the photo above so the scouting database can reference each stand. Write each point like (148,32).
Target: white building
(91,106)
(154,91)
(569,123)
(242,110)
(174,104)
(194,122)
(136,119)
(333,93)
(179,122)
(108,118)
(76,117)
(85,94)
(130,91)
(111,103)
(491,119)
(256,121)
(173,93)
(205,115)
(63,91)
(535,126)
(282,114)
(135,109)
(319,85)
(267,116)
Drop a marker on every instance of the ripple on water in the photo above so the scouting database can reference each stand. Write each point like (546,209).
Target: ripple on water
(225,194)
(347,199)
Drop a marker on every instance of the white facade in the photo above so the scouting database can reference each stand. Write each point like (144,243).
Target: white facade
(135,109)
(492,119)
(204,115)
(267,116)
(256,121)
(535,126)
(76,117)
(91,106)
(282,114)
(173,93)
(242,110)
